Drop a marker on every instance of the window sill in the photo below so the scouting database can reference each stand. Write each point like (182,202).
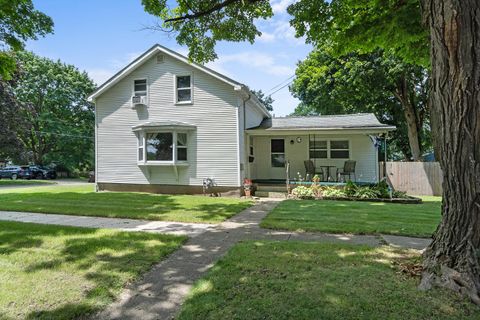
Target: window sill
(164,164)
(184,103)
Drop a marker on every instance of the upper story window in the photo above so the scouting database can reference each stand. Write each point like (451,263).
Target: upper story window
(140,87)
(183,88)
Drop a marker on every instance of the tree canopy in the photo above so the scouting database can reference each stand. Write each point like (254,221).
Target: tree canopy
(377,82)
(266,100)
(364,26)
(19,21)
(57,121)
(199,24)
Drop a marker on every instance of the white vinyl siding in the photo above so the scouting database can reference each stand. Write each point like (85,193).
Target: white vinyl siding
(212,148)
(361,150)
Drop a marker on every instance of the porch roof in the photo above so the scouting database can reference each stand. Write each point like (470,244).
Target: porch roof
(366,121)
(163,125)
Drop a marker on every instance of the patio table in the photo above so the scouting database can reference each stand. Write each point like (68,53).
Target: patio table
(327,171)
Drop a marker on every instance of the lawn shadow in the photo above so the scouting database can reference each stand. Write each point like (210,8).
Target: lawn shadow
(106,259)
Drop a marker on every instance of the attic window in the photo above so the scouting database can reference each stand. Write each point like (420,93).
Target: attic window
(160,58)
(140,87)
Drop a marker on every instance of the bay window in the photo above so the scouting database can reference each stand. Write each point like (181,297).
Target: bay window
(162,147)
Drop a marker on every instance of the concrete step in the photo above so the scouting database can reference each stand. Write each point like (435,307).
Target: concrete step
(279,188)
(270,194)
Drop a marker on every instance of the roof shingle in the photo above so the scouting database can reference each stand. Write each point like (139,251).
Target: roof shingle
(347,121)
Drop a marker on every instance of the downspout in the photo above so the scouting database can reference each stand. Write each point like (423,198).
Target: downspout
(246,151)
(96,146)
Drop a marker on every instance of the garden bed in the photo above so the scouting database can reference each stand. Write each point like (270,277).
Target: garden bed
(350,191)
(409,199)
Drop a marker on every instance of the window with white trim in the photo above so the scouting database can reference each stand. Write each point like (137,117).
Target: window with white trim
(141,148)
(328,149)
(182,146)
(159,146)
(183,89)
(140,87)
(318,148)
(277,148)
(339,149)
(162,147)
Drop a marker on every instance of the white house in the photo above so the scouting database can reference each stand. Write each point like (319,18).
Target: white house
(164,125)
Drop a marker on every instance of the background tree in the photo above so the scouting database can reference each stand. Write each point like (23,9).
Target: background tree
(19,21)
(10,147)
(266,100)
(453,258)
(59,121)
(377,82)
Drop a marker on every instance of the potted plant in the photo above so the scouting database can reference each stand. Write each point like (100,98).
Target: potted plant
(247,187)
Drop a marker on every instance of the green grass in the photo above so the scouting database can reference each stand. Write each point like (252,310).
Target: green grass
(293,280)
(356,217)
(52,272)
(81,200)
(4,182)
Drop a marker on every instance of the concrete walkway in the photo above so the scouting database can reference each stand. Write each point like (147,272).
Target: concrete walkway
(177,228)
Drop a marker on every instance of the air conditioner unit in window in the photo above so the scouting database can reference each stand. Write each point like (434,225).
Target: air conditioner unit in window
(139,101)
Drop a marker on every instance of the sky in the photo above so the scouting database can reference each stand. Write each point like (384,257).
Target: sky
(102,36)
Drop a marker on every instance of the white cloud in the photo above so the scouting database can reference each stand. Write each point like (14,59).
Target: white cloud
(280,6)
(266,37)
(100,75)
(257,60)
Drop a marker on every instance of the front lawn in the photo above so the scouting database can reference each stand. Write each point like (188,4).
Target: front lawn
(81,200)
(52,272)
(356,217)
(8,182)
(293,280)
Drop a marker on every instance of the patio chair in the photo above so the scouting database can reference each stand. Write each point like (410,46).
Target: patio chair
(347,170)
(311,170)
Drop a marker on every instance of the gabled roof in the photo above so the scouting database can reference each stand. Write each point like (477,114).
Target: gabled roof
(330,122)
(161,49)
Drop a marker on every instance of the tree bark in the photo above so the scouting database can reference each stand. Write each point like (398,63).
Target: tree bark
(402,93)
(453,258)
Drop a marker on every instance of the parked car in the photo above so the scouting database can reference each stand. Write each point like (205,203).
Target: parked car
(40,172)
(15,172)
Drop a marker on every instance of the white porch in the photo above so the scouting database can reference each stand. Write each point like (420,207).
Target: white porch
(269,153)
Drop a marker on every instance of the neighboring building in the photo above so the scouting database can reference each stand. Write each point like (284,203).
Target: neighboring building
(164,125)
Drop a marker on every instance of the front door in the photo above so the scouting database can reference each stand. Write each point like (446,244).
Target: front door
(277,158)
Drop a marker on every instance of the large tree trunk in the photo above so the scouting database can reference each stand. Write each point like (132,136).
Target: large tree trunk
(453,258)
(402,93)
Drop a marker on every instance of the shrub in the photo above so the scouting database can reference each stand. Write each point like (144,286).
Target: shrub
(333,192)
(317,190)
(383,189)
(350,188)
(400,194)
(366,193)
(302,192)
